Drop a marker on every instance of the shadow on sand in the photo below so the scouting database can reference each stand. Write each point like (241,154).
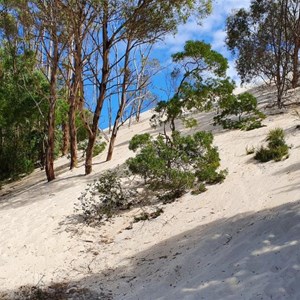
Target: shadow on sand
(248,256)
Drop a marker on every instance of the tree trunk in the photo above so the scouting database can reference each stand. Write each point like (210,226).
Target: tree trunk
(51,125)
(49,164)
(76,97)
(122,103)
(103,90)
(89,154)
(114,134)
(138,111)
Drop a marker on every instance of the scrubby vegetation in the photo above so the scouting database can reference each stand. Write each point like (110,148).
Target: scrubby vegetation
(176,163)
(166,166)
(239,112)
(55,291)
(22,131)
(104,197)
(276,150)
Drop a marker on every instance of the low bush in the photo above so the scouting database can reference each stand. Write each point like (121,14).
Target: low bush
(104,197)
(276,150)
(163,169)
(177,163)
(239,112)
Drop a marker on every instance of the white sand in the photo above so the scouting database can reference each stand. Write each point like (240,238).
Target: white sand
(238,240)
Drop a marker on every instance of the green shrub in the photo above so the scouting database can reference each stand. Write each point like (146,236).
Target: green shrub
(276,150)
(275,138)
(103,198)
(99,148)
(175,164)
(239,112)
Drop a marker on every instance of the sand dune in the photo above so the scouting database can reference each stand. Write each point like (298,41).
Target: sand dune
(238,240)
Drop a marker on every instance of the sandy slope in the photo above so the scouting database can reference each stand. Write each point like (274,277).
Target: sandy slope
(239,240)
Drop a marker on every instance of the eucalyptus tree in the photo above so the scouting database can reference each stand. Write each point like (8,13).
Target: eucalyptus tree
(266,41)
(49,27)
(134,89)
(77,37)
(137,21)
(80,18)
(142,97)
(293,23)
(200,79)
(22,112)
(23,92)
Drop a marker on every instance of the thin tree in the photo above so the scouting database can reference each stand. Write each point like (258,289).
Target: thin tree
(265,43)
(47,19)
(145,20)
(134,89)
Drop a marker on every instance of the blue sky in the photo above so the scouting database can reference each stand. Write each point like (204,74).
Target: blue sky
(211,31)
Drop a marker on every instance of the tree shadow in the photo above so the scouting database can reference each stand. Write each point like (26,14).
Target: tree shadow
(253,255)
(289,169)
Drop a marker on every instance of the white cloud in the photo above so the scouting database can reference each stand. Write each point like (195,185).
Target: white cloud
(218,41)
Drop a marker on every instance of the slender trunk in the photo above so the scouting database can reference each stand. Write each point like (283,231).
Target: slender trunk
(280,90)
(89,154)
(138,111)
(102,94)
(73,99)
(112,143)
(51,117)
(114,134)
(122,103)
(172,125)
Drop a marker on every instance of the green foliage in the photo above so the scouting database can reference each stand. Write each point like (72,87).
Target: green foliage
(239,112)
(200,73)
(23,108)
(138,141)
(189,122)
(264,39)
(203,57)
(175,164)
(103,198)
(276,150)
(154,18)
(98,148)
